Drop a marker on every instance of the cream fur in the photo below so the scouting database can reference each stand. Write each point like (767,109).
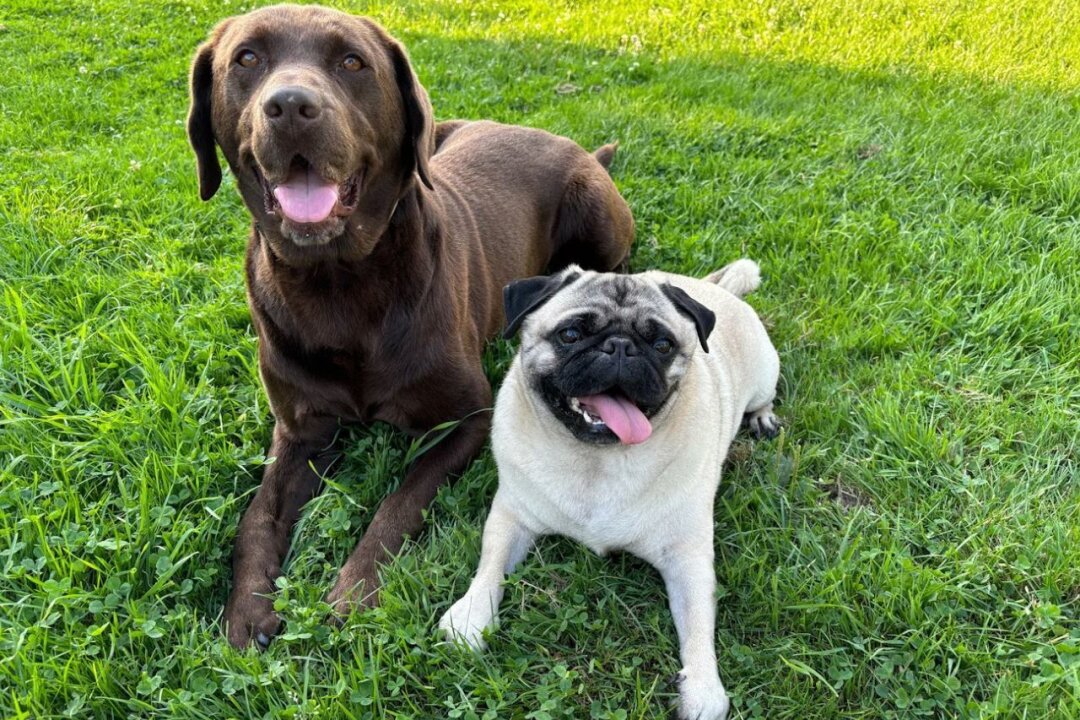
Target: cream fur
(654,499)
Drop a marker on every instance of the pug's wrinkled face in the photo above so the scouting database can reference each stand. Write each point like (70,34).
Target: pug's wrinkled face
(604,352)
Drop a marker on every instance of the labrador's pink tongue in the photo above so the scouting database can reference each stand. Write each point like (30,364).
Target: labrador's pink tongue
(306,197)
(621,416)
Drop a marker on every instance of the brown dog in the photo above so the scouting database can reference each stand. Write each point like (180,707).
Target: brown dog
(380,246)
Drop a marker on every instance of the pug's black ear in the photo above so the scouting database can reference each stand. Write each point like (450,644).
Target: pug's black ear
(704,318)
(199,128)
(523,297)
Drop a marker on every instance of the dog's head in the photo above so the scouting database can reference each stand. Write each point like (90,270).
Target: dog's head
(605,352)
(321,119)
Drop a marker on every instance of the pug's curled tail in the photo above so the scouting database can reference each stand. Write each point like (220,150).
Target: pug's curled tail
(739,278)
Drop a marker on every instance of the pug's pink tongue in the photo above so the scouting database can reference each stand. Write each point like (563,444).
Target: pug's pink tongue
(621,416)
(306,197)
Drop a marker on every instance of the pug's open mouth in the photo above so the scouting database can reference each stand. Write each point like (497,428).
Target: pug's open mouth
(307,198)
(614,412)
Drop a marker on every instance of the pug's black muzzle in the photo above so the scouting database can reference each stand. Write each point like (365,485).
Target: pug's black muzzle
(615,363)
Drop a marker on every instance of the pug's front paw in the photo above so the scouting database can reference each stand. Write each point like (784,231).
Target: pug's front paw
(701,697)
(465,621)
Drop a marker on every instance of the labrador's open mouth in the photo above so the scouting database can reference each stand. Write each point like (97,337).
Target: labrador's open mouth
(306,197)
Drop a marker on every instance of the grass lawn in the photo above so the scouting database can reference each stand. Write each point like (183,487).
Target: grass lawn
(905,171)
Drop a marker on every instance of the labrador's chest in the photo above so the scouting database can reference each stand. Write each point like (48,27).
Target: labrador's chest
(345,365)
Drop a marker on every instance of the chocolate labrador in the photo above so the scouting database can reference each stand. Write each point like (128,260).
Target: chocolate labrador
(380,245)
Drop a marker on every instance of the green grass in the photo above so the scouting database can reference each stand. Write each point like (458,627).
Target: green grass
(905,171)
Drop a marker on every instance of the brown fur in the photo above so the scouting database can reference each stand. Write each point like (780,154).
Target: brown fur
(381,312)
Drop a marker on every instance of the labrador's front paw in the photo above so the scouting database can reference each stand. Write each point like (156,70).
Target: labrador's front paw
(351,594)
(701,697)
(465,621)
(250,618)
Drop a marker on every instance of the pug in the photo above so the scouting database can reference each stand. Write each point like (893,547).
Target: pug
(611,428)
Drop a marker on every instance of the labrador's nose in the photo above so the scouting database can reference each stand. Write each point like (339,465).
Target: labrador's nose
(292,104)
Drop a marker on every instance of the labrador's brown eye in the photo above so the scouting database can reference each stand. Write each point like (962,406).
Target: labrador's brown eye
(247,59)
(352,63)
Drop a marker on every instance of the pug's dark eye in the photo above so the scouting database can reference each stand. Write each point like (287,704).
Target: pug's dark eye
(662,346)
(247,59)
(352,63)
(569,336)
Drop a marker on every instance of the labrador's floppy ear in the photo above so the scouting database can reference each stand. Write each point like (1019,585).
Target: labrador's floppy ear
(419,122)
(704,318)
(199,127)
(523,297)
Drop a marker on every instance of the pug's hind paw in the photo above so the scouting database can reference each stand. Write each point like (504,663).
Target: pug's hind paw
(763,423)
